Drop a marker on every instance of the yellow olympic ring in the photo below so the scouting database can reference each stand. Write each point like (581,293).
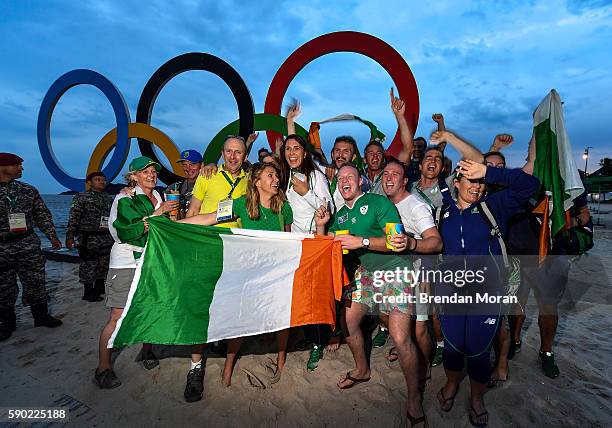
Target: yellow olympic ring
(136,130)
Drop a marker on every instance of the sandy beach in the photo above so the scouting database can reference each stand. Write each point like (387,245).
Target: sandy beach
(44,367)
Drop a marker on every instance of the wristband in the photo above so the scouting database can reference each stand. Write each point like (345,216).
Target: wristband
(415,245)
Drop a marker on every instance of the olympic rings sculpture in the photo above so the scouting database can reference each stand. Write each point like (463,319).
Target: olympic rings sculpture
(248,121)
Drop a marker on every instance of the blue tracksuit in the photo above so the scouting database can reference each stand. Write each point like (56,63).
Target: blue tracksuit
(466,233)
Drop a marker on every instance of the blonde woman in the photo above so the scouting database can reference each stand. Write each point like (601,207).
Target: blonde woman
(264,207)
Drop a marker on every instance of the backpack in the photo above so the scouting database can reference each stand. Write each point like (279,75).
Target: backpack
(510,272)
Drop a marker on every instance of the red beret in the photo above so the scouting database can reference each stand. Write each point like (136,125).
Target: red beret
(7,159)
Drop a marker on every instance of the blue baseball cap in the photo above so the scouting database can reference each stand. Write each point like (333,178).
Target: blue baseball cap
(190,155)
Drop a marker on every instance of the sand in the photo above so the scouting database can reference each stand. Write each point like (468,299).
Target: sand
(45,367)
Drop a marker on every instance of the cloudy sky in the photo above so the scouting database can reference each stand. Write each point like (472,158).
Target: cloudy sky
(484,64)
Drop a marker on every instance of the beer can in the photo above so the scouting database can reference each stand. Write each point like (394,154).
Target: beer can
(343,232)
(392,229)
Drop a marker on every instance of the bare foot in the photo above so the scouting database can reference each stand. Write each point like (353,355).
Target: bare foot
(226,377)
(333,345)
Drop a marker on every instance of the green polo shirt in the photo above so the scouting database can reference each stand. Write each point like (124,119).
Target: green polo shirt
(367,218)
(267,220)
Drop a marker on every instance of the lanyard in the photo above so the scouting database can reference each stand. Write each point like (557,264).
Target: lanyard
(377,179)
(333,185)
(233,184)
(12,201)
(424,196)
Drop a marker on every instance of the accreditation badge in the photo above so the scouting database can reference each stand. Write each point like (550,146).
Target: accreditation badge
(224,210)
(17,222)
(103,222)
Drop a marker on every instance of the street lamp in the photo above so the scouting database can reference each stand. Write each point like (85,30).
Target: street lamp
(585,156)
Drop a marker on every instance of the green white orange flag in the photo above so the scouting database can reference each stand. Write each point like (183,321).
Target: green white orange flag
(554,165)
(198,284)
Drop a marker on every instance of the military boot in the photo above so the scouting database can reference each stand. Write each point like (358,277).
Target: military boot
(42,318)
(90,294)
(8,323)
(100,287)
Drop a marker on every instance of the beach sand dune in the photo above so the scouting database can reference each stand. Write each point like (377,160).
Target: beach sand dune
(44,367)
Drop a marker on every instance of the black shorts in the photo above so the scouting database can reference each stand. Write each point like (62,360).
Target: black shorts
(548,281)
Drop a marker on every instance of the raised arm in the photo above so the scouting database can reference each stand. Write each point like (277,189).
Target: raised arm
(250,141)
(531,154)
(293,111)
(398,107)
(439,119)
(464,148)
(500,142)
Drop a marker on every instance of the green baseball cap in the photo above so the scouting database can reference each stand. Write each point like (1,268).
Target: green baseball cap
(141,162)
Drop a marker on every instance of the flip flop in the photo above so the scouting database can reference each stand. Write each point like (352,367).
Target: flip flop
(272,368)
(495,382)
(415,421)
(445,400)
(476,416)
(352,379)
(255,381)
(392,355)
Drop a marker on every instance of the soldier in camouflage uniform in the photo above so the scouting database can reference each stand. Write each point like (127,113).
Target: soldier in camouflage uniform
(21,208)
(88,223)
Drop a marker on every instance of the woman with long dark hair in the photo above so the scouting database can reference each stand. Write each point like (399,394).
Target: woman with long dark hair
(264,207)
(306,187)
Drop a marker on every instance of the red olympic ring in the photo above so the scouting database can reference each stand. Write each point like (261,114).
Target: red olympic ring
(347,41)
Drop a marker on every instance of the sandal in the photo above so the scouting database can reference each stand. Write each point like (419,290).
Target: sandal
(495,382)
(272,368)
(392,355)
(476,416)
(253,379)
(352,379)
(443,400)
(106,379)
(415,421)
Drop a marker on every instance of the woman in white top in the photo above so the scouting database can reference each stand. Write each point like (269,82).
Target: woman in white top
(307,189)
(305,185)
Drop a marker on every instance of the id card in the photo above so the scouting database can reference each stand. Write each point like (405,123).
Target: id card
(104,222)
(224,210)
(17,222)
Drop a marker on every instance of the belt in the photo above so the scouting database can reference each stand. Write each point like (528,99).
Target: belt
(14,236)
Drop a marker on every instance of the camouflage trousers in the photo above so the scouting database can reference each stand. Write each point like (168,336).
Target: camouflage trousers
(95,256)
(91,270)
(22,258)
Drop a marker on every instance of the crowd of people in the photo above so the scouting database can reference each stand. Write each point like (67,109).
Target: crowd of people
(478,209)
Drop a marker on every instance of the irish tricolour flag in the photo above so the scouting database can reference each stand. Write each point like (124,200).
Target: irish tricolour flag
(198,284)
(554,164)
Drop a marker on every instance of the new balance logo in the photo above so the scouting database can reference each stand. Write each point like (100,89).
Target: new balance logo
(490,321)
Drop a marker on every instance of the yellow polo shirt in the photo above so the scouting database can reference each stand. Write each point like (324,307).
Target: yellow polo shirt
(216,188)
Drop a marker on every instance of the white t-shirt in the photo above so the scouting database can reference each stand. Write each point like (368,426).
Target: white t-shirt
(416,215)
(304,207)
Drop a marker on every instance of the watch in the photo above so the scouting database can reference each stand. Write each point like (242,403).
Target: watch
(365,243)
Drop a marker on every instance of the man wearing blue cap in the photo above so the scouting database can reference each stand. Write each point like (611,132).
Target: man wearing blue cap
(191,161)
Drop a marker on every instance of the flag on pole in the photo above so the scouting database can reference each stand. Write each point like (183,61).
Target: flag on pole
(554,165)
(198,284)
